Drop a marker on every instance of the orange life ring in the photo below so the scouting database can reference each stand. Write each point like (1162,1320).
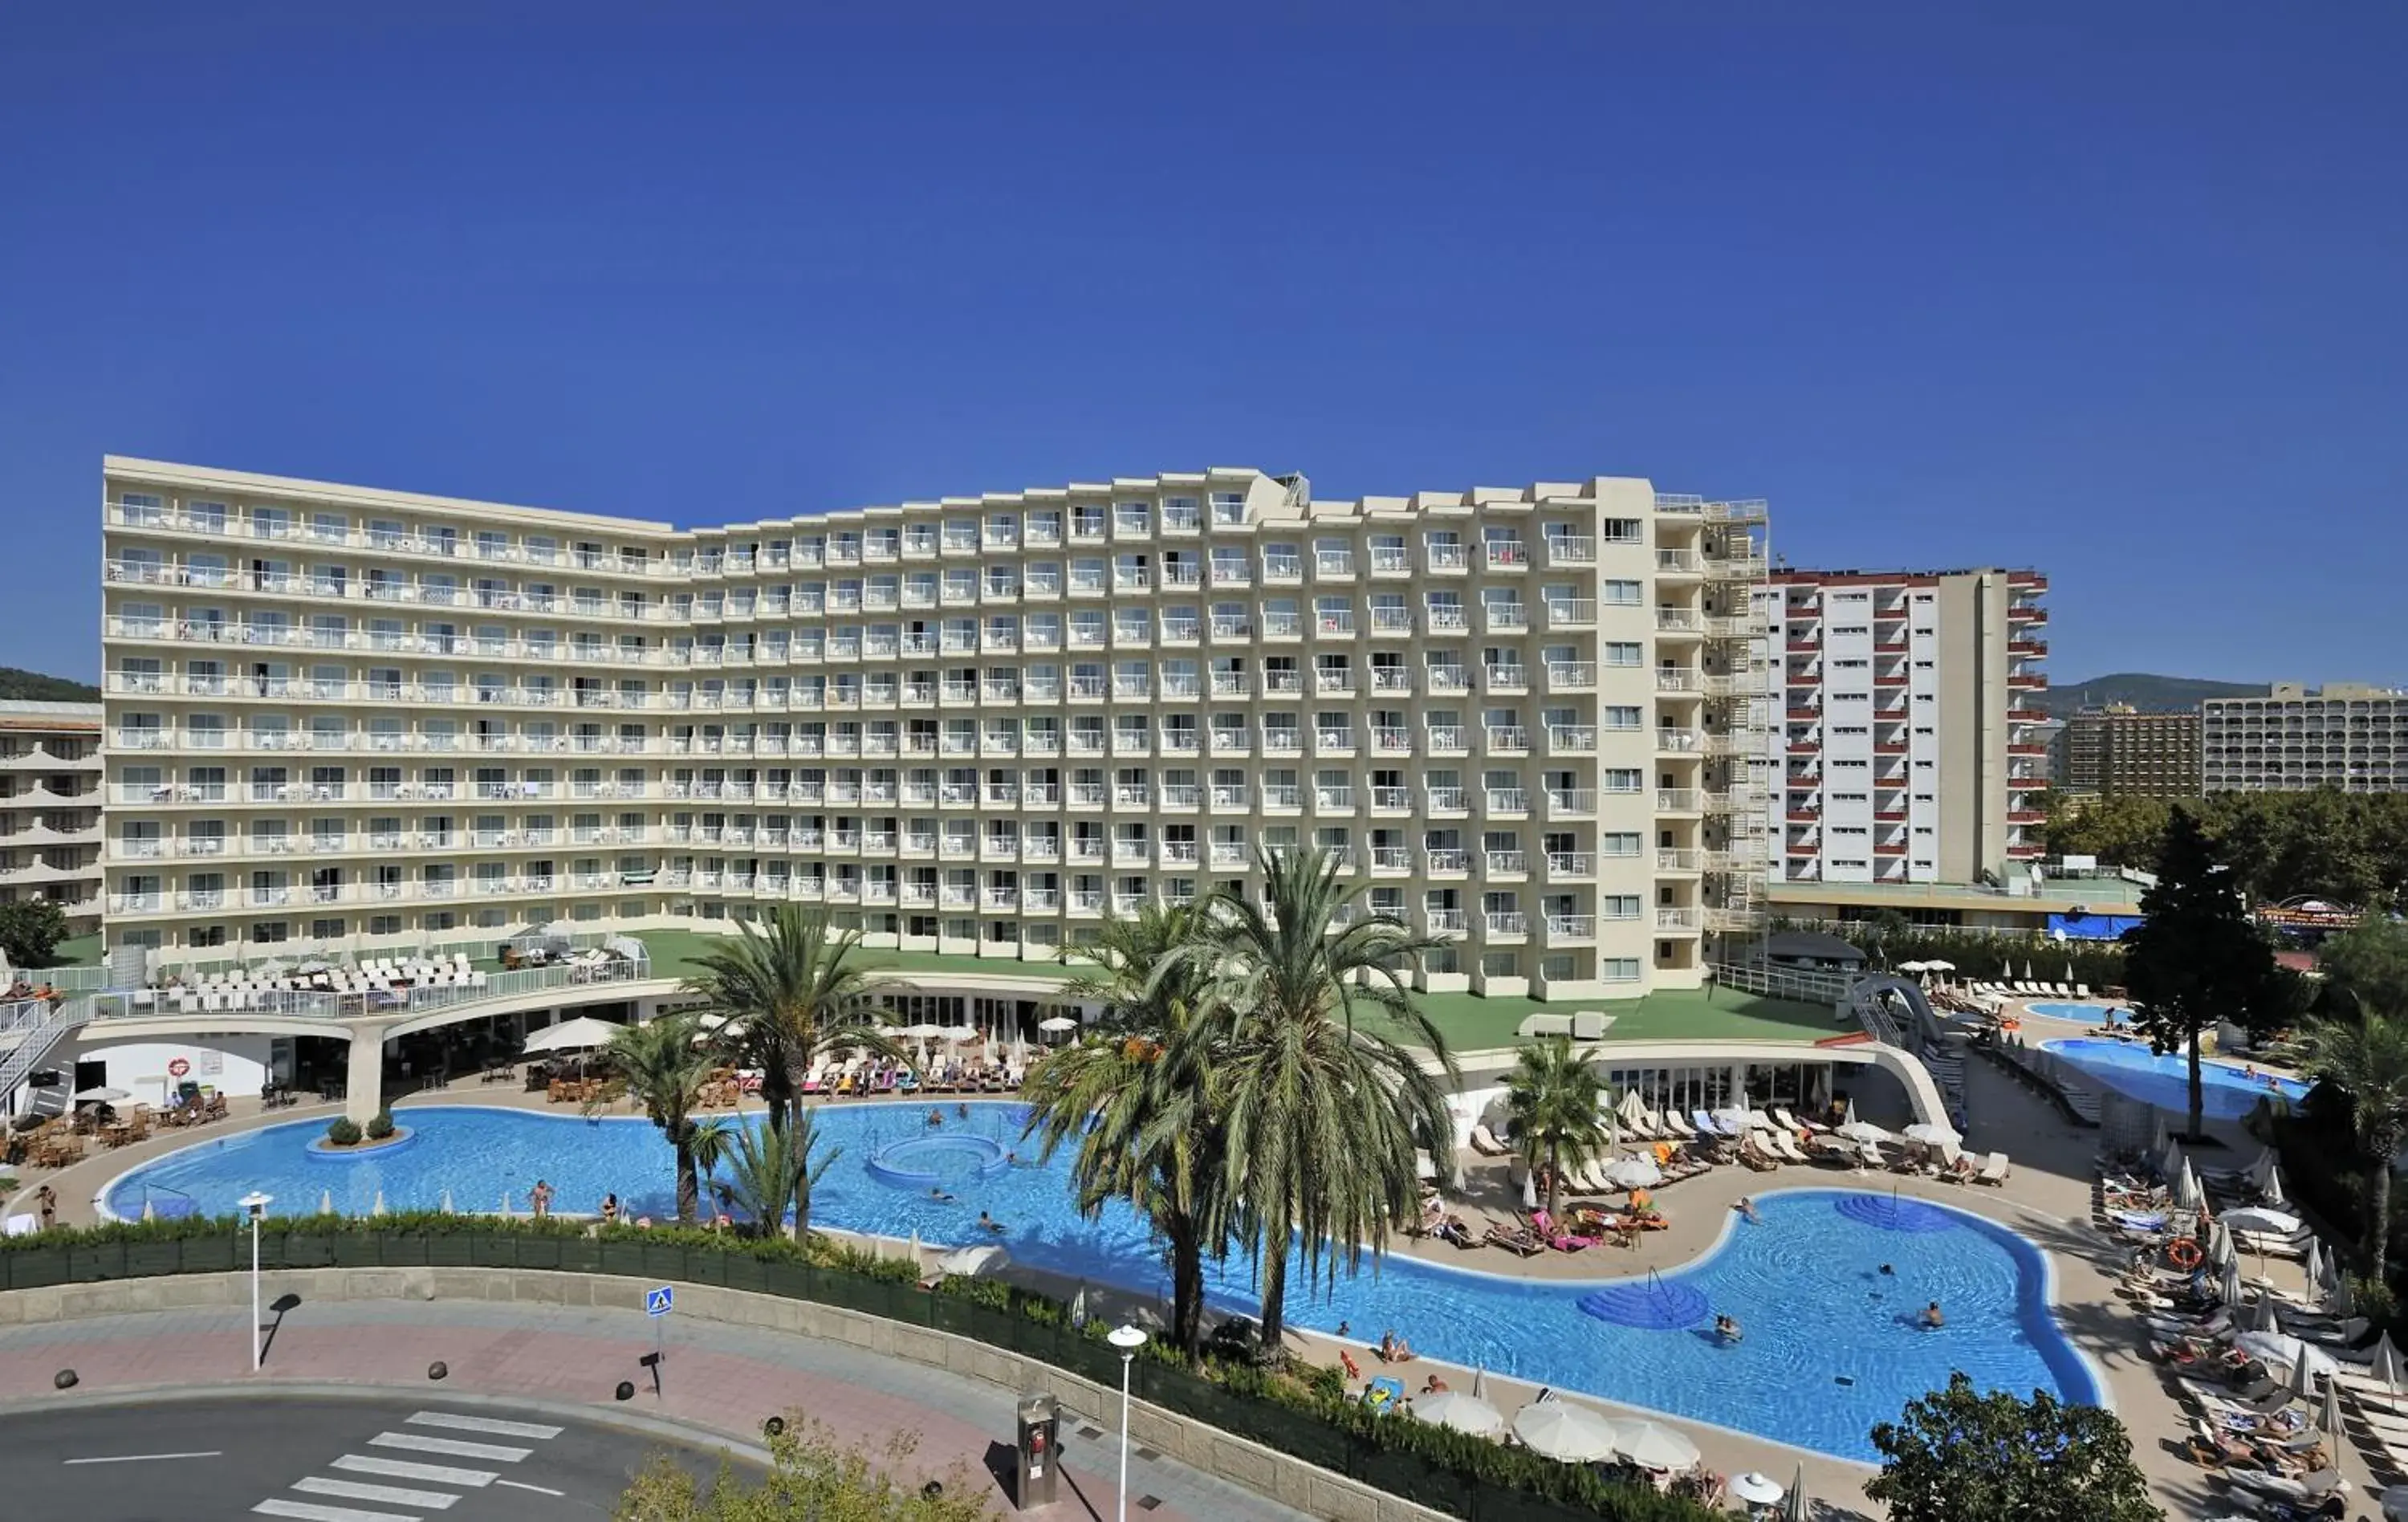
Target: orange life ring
(2184,1254)
(2011,1025)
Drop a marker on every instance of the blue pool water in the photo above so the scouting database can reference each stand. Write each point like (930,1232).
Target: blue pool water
(2089,1014)
(2129,1068)
(1830,1346)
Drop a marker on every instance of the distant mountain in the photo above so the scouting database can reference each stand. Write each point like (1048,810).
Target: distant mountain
(34,687)
(2140,690)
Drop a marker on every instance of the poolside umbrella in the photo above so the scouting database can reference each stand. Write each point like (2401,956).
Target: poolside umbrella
(147,1213)
(1480,1378)
(2387,1366)
(2339,1300)
(2262,1319)
(2258,1221)
(969,1262)
(962,1033)
(1755,1489)
(101,1096)
(378,1209)
(2169,1160)
(2230,1289)
(2270,1191)
(1632,1110)
(1053,1025)
(583,1034)
(1795,1511)
(1463,1412)
(2314,1268)
(915,1248)
(2027,972)
(1079,1308)
(1530,1190)
(2186,1189)
(446,1203)
(1850,1118)
(1932,1134)
(1936,965)
(1633,1173)
(2304,1373)
(2328,1418)
(1561,1430)
(2220,1245)
(1654,1445)
(1863,1130)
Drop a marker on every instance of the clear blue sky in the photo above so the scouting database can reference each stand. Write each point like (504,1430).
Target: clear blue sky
(2114,291)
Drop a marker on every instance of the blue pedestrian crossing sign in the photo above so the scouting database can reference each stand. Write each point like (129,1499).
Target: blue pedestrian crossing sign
(657,1302)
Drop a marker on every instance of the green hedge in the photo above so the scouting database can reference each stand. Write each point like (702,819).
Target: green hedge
(1310,1417)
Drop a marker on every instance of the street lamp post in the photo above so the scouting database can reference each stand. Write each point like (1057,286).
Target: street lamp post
(254,1205)
(1128,1339)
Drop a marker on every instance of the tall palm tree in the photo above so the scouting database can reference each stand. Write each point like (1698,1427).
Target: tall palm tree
(773,1170)
(2367,1058)
(1322,1115)
(1552,1095)
(1142,1137)
(790,996)
(665,1066)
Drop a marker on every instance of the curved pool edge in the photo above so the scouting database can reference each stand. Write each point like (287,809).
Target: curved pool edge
(2039,1294)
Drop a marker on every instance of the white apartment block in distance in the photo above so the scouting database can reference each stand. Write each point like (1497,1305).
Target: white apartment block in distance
(2297,739)
(1904,747)
(49,807)
(347,719)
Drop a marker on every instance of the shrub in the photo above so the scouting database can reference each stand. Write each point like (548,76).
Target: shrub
(381,1127)
(344,1133)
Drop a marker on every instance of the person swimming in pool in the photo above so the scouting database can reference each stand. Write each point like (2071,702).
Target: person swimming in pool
(939,1194)
(990,1222)
(1747,1207)
(1932,1319)
(1727,1329)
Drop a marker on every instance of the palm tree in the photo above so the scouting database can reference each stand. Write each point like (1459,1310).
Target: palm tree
(665,1066)
(1322,1117)
(2367,1058)
(1552,1096)
(1142,1137)
(789,998)
(773,1170)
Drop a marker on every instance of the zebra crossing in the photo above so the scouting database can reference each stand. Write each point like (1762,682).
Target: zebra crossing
(422,1468)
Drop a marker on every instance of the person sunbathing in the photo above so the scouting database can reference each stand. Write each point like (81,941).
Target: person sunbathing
(1394,1349)
(1434,1385)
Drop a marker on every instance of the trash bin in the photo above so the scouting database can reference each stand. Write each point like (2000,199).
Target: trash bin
(1038,1469)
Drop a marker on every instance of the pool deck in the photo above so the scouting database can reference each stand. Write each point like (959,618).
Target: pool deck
(2048,1198)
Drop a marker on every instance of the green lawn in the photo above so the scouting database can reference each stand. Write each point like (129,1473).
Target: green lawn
(78,951)
(1471,1022)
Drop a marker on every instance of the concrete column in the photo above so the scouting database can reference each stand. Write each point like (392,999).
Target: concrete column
(365,1094)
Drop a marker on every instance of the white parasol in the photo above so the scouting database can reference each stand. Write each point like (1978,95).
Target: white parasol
(1756,1489)
(583,1034)
(1057,1023)
(1633,1173)
(1562,1430)
(1463,1412)
(969,1262)
(1654,1445)
(2259,1221)
(2270,1191)
(1863,1130)
(100,1096)
(1932,1134)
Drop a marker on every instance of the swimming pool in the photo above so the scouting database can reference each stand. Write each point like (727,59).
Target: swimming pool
(2089,1014)
(1830,1346)
(2129,1068)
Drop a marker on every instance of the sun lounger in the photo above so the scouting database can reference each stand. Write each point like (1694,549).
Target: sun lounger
(2307,1487)
(1705,1125)
(1787,1147)
(1515,1240)
(1484,1142)
(1790,1122)
(1676,1128)
(1993,1170)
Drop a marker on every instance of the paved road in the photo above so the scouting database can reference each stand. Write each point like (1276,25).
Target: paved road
(318,1460)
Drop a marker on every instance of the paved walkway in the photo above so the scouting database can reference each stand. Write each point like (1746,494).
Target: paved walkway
(721,1379)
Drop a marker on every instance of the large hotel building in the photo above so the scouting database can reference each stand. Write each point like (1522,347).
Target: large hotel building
(352,718)
(1904,747)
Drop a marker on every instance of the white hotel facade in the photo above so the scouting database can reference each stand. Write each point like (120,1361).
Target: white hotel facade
(350,719)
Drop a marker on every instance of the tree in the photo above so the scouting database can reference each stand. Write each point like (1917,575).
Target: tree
(1552,1096)
(2367,1058)
(2120,829)
(2367,967)
(773,1170)
(1147,1132)
(1322,1115)
(789,998)
(31,930)
(811,1475)
(665,1066)
(2198,958)
(1959,1455)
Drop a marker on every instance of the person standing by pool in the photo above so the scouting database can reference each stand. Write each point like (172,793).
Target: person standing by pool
(610,1209)
(46,1199)
(540,1197)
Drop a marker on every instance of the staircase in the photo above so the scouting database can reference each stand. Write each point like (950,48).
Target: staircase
(42,1031)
